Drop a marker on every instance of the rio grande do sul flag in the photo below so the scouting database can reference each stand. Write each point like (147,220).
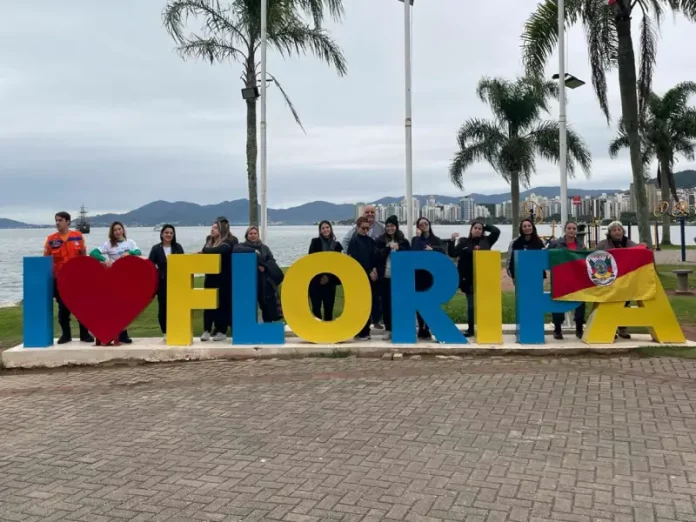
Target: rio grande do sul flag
(621,274)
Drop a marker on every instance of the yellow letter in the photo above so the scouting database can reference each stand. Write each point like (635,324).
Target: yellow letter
(183,299)
(488,299)
(655,314)
(357,300)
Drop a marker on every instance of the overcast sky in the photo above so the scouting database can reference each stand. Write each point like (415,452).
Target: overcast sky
(97,108)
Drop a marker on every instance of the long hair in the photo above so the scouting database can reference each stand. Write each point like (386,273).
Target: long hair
(252,227)
(471,229)
(331,235)
(430,226)
(112,237)
(534,235)
(225,234)
(165,227)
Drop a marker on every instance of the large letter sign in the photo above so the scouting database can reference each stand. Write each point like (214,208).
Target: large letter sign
(356,292)
(106,300)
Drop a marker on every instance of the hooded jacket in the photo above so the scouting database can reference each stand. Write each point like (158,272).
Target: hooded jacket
(464,251)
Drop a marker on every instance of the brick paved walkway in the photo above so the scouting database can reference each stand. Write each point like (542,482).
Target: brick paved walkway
(344,439)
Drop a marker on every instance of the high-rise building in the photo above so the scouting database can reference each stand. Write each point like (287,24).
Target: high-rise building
(359,207)
(467,207)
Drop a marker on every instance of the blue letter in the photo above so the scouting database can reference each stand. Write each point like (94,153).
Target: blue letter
(245,329)
(406,301)
(531,302)
(37,307)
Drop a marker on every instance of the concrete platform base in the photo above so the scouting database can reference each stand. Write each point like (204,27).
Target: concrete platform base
(155,350)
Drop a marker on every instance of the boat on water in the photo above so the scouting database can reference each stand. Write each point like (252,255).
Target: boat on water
(157,228)
(82,224)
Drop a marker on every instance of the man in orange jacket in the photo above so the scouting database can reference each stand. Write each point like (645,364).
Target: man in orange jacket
(62,246)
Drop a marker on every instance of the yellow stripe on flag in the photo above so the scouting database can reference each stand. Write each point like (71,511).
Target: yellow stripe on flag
(638,285)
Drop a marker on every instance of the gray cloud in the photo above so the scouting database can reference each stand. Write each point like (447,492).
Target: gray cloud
(97,107)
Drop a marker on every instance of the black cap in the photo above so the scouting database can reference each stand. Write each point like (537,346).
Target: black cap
(222,219)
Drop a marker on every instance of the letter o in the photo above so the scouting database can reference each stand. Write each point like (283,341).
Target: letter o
(356,290)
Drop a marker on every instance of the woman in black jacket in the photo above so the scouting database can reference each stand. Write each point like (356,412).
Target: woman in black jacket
(268,279)
(158,256)
(464,250)
(425,240)
(392,241)
(322,288)
(363,249)
(220,241)
(527,240)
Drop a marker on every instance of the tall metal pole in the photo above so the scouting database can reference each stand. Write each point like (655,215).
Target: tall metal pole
(562,113)
(262,148)
(408,121)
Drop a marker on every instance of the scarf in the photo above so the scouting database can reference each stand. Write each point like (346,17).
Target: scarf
(327,245)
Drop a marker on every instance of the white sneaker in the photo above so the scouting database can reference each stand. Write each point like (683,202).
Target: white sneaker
(219,337)
(205,336)
(165,337)
(387,336)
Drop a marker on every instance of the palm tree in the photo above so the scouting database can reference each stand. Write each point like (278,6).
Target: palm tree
(607,25)
(234,33)
(667,128)
(511,142)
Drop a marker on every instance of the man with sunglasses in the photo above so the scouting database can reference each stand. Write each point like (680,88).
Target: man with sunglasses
(376,231)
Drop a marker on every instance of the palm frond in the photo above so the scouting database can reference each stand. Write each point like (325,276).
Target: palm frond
(648,57)
(287,101)
(618,143)
(298,37)
(602,46)
(176,14)
(316,9)
(210,49)
(478,140)
(677,97)
(546,143)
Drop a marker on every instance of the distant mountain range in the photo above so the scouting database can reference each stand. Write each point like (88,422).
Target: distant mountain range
(237,211)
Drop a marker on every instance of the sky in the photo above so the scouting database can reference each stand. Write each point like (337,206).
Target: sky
(97,108)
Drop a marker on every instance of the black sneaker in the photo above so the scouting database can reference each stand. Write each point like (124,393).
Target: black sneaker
(87,338)
(125,340)
(624,335)
(362,337)
(578,333)
(558,335)
(65,338)
(469,333)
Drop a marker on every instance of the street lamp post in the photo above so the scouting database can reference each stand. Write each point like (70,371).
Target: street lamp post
(262,145)
(408,120)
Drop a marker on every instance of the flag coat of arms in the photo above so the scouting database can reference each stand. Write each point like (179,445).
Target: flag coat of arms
(621,274)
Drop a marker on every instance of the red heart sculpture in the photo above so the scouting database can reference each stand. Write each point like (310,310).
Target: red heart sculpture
(107,300)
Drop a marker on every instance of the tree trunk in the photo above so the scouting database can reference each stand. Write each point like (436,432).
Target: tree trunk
(665,189)
(515,196)
(252,149)
(629,109)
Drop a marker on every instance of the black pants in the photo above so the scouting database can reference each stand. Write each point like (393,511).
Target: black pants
(219,320)
(64,316)
(384,290)
(579,318)
(322,295)
(470,312)
(377,305)
(162,305)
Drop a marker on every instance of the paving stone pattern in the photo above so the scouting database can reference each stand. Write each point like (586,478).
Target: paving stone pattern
(485,440)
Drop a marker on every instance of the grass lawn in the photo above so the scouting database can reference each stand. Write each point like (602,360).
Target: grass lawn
(146,325)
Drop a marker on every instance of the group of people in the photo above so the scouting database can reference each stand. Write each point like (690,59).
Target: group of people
(65,244)
(529,239)
(369,242)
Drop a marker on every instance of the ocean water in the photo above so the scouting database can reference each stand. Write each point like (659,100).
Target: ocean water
(288,243)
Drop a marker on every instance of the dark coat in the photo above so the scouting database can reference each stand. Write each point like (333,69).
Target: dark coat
(224,278)
(520,244)
(159,258)
(464,251)
(316,247)
(364,250)
(384,251)
(424,279)
(268,281)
